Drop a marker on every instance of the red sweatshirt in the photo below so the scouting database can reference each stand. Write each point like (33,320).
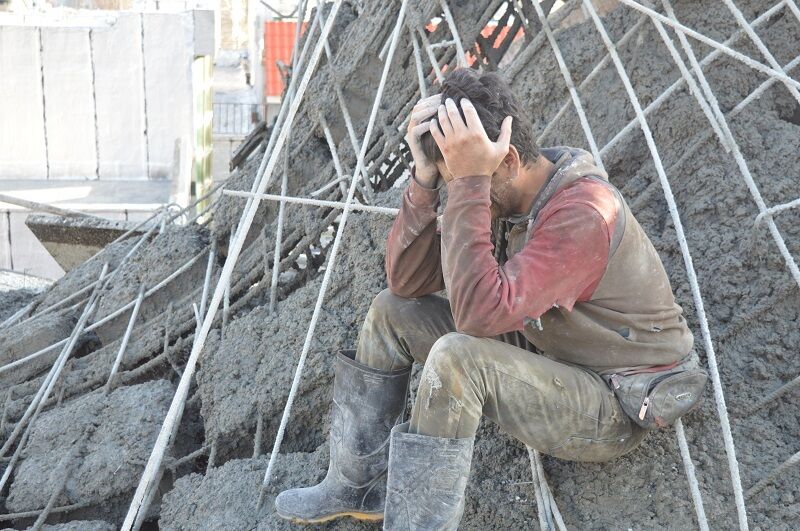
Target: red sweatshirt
(561,264)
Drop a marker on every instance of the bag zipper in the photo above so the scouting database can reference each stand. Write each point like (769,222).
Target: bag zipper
(643,410)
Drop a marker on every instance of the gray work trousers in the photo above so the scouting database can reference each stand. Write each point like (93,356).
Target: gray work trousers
(559,409)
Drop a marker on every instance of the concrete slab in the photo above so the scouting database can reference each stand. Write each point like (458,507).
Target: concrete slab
(168,40)
(24,252)
(112,434)
(118,200)
(117,53)
(22,148)
(70,240)
(69,98)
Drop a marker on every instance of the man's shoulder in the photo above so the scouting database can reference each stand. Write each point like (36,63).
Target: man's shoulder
(587,192)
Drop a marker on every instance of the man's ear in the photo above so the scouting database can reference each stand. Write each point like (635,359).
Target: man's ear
(512,158)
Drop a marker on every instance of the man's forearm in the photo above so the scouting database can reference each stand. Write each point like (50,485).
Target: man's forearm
(565,257)
(413,262)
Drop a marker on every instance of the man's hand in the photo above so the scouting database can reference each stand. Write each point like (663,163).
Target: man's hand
(466,148)
(426,172)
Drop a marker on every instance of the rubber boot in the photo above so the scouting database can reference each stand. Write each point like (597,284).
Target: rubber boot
(426,483)
(367,403)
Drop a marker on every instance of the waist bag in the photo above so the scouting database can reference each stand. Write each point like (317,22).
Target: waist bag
(657,399)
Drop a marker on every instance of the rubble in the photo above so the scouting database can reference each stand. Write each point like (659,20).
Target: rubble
(109,437)
(751,301)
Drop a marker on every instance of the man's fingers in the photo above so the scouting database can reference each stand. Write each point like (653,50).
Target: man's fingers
(420,129)
(455,117)
(436,133)
(504,139)
(444,121)
(471,116)
(427,104)
(423,114)
(434,100)
(413,134)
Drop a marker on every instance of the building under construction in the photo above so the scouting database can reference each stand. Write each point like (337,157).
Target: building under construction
(180,378)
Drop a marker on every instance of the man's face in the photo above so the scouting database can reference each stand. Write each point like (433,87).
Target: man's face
(501,192)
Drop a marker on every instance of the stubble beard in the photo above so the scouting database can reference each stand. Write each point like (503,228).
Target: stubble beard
(500,195)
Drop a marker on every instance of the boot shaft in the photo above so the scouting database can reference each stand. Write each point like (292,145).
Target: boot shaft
(426,481)
(367,404)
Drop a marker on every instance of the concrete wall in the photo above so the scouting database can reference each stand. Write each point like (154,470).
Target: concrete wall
(68,103)
(88,97)
(23,153)
(117,54)
(97,100)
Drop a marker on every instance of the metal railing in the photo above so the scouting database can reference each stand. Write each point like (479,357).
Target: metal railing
(236,119)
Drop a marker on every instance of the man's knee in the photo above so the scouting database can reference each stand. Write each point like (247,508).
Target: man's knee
(450,398)
(392,311)
(450,357)
(385,302)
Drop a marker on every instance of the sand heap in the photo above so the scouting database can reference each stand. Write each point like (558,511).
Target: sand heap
(751,301)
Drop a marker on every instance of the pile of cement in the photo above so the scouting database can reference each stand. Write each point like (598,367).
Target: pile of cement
(98,442)
(751,302)
(80,525)
(17,291)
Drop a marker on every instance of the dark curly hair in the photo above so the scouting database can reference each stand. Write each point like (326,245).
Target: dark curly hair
(492,98)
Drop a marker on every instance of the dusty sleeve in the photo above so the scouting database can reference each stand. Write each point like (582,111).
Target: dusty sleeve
(413,248)
(565,257)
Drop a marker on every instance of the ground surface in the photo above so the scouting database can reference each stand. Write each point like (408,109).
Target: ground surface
(751,302)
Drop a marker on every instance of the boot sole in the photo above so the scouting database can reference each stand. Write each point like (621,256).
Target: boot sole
(368,517)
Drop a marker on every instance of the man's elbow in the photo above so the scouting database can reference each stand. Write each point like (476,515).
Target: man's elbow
(474,325)
(401,289)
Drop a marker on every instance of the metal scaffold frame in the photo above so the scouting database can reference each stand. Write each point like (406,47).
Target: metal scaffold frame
(304,67)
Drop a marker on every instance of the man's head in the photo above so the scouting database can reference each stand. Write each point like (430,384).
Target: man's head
(493,100)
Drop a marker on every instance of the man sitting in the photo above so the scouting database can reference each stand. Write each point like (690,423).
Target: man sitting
(552,286)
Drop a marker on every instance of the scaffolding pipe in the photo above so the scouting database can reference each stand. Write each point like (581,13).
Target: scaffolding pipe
(680,28)
(722,411)
(334,250)
(451,23)
(125,338)
(655,104)
(153,467)
(316,202)
(109,317)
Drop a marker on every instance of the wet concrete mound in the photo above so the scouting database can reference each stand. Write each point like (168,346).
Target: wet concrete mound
(97,444)
(86,450)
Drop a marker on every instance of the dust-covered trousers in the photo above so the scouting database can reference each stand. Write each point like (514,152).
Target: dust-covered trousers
(559,409)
